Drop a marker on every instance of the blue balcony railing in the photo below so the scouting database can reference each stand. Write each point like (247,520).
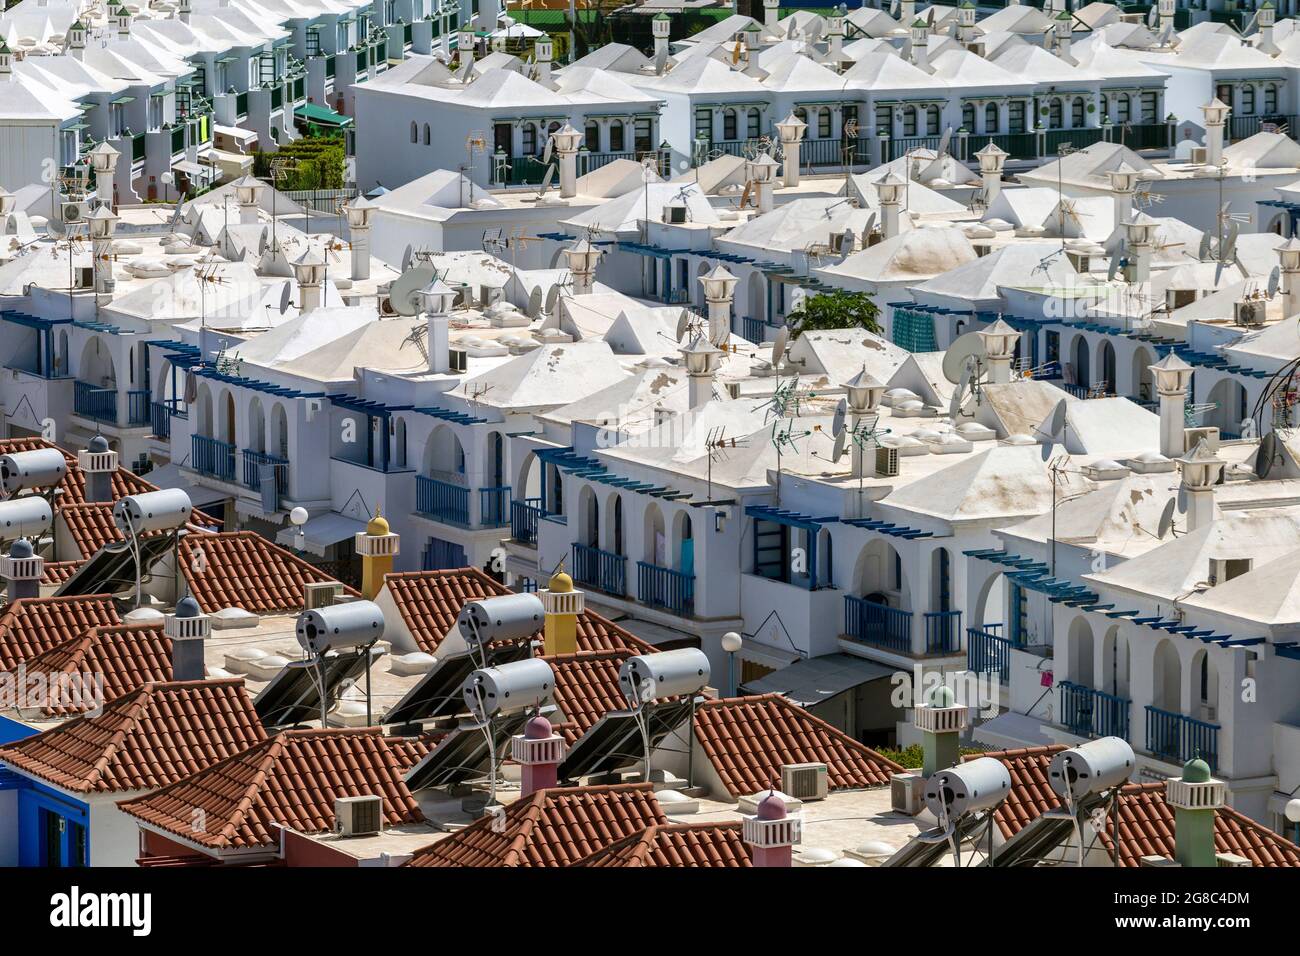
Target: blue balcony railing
(602,570)
(98,404)
(942,632)
(137,407)
(665,588)
(1093,713)
(753,329)
(877,624)
(208,456)
(523,520)
(160,417)
(494,506)
(987,652)
(253,462)
(1178,739)
(442,500)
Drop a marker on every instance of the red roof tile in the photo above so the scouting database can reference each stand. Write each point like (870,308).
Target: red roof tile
(430,602)
(677,844)
(291,779)
(244,570)
(1146,828)
(32,626)
(748,739)
(1031,795)
(556,827)
(56,572)
(147,739)
(124,656)
(586,689)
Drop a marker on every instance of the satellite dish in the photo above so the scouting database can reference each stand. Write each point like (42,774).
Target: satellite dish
(1113,269)
(406,256)
(547,177)
(866,230)
(54,226)
(286,297)
(778,347)
(1181,500)
(463,73)
(552,296)
(841,442)
(661,61)
(403,293)
(534,303)
(1052,426)
(550,148)
(963,347)
(1204,252)
(1274,278)
(841,411)
(959,394)
(1265,456)
(1166,518)
(261,243)
(1152,16)
(683,323)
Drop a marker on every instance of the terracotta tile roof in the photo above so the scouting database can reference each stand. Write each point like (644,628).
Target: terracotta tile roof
(1146,827)
(586,689)
(748,739)
(32,626)
(90,525)
(291,779)
(125,656)
(556,827)
(56,572)
(242,569)
(1031,796)
(677,844)
(147,739)
(430,601)
(125,481)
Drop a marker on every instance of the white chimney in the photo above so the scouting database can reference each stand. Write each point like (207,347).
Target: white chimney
(359,213)
(921,45)
(1201,470)
(661,26)
(835,31)
(772,833)
(545,50)
(183,11)
(567,140)
(907,12)
(1000,344)
(771,9)
(862,394)
(248,193)
(1165,10)
(889,188)
(719,289)
(188,628)
(309,269)
(1173,375)
(436,299)
(1139,236)
(701,358)
(76,40)
(465,49)
(98,463)
(992,159)
(1216,117)
(22,569)
(1123,183)
(1289,254)
(582,259)
(791,131)
(102,223)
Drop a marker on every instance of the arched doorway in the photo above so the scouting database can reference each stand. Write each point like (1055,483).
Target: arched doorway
(256,426)
(1080,652)
(1115,663)
(228,418)
(279,431)
(1106,367)
(97,367)
(1081,361)
(656,543)
(683,544)
(1144,387)
(757,292)
(588,518)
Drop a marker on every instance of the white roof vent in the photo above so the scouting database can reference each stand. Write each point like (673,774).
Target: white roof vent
(1020,438)
(1103,469)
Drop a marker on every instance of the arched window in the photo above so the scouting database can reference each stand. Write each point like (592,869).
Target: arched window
(428,138)
(616,141)
(968,117)
(991,118)
(909,120)
(1055,114)
(1248,100)
(932,123)
(1270,99)
(1123,108)
(756,122)
(729,125)
(1078,112)
(529,143)
(415,132)
(824,123)
(591,136)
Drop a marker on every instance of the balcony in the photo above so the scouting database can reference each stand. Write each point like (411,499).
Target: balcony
(442,501)
(753,330)
(602,570)
(523,520)
(1080,137)
(209,456)
(665,588)
(1016,145)
(877,624)
(97,404)
(1086,712)
(1142,135)
(987,652)
(1243,127)
(494,507)
(253,462)
(1177,739)
(942,632)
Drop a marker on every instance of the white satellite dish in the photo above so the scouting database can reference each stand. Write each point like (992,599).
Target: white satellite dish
(552,296)
(963,347)
(683,323)
(463,73)
(1204,252)
(403,294)
(778,346)
(547,177)
(286,297)
(841,442)
(407,256)
(661,61)
(1052,426)
(261,243)
(1274,279)
(959,393)
(534,303)
(550,148)
(1166,519)
(841,412)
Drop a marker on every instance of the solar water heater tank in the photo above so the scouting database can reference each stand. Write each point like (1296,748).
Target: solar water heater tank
(509,617)
(968,787)
(39,468)
(163,510)
(340,625)
(508,688)
(24,517)
(665,674)
(1090,768)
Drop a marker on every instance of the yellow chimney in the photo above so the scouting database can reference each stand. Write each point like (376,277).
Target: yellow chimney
(377,546)
(562,605)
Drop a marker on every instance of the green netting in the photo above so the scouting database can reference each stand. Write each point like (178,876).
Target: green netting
(914,331)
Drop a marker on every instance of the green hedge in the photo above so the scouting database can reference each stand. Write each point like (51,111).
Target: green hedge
(319,159)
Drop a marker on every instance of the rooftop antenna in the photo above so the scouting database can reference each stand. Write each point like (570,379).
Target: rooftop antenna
(717,444)
(783,438)
(207,273)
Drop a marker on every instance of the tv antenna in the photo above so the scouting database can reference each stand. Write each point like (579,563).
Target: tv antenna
(718,445)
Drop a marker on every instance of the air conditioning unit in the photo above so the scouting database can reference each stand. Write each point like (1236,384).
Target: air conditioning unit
(320,594)
(675,215)
(1198,156)
(1209,713)
(886,462)
(358,816)
(489,295)
(1225,569)
(1202,433)
(314,406)
(907,793)
(72,211)
(805,781)
(1249,312)
(457,360)
(733,389)
(84,277)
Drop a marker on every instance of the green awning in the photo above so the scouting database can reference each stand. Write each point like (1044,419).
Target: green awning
(123,99)
(314,113)
(227,59)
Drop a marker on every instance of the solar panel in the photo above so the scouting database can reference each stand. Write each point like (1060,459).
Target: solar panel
(438,694)
(463,754)
(614,741)
(293,695)
(112,568)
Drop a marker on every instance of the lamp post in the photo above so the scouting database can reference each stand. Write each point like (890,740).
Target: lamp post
(731,643)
